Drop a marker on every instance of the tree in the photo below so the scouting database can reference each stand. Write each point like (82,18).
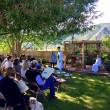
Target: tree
(105,44)
(39,21)
(106,41)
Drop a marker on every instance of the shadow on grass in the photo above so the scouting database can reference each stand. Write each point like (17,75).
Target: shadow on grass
(81,92)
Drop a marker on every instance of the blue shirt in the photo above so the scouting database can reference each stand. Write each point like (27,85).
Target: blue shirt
(53,58)
(39,80)
(1,77)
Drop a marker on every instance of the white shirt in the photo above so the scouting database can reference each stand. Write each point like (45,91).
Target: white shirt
(23,72)
(29,63)
(4,61)
(8,64)
(98,61)
(21,63)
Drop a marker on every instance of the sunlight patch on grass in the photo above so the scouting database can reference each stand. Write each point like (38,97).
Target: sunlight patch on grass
(86,98)
(87,101)
(74,77)
(108,83)
(91,80)
(65,97)
(82,92)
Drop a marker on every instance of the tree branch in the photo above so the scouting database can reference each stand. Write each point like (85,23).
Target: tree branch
(5,33)
(10,48)
(27,48)
(25,45)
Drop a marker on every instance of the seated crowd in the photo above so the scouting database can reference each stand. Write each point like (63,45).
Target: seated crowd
(26,67)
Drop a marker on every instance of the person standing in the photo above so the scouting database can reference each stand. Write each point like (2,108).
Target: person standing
(53,59)
(59,59)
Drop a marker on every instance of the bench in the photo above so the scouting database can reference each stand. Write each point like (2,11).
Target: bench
(102,67)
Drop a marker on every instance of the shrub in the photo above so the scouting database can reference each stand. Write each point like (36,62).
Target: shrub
(107,65)
(78,63)
(69,61)
(104,56)
(44,61)
(90,61)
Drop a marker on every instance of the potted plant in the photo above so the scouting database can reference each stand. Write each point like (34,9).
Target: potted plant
(78,66)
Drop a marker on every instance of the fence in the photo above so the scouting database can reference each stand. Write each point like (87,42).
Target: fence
(40,54)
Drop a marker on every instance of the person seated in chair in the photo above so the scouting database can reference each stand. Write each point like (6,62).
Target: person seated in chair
(98,63)
(17,66)
(11,92)
(8,62)
(33,60)
(1,77)
(34,76)
(4,61)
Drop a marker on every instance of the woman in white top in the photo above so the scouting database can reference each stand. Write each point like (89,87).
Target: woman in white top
(8,62)
(97,64)
(25,67)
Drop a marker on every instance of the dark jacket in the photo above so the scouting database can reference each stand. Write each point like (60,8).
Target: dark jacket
(10,91)
(31,75)
(18,68)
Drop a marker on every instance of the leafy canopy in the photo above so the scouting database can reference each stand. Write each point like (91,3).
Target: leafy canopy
(39,21)
(46,16)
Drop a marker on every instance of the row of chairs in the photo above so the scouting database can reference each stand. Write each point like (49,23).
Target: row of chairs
(38,92)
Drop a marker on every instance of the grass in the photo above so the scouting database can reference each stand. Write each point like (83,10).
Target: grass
(81,92)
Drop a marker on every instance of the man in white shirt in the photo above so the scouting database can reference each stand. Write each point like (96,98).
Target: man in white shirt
(59,59)
(9,62)
(4,61)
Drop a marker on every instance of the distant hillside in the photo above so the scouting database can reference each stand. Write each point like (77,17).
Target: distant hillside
(97,33)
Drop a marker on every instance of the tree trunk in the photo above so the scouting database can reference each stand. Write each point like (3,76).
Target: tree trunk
(15,47)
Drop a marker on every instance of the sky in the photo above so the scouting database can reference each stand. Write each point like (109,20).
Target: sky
(104,7)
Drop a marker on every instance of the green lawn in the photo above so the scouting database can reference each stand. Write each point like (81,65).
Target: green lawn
(81,92)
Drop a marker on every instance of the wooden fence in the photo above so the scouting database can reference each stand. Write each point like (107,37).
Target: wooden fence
(40,54)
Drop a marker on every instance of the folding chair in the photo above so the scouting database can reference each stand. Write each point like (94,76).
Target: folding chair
(5,107)
(59,80)
(39,91)
(33,84)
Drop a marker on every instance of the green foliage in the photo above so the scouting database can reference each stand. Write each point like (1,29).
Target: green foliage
(106,41)
(69,61)
(90,61)
(43,21)
(44,61)
(107,65)
(4,48)
(105,48)
(47,18)
(78,63)
(104,56)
